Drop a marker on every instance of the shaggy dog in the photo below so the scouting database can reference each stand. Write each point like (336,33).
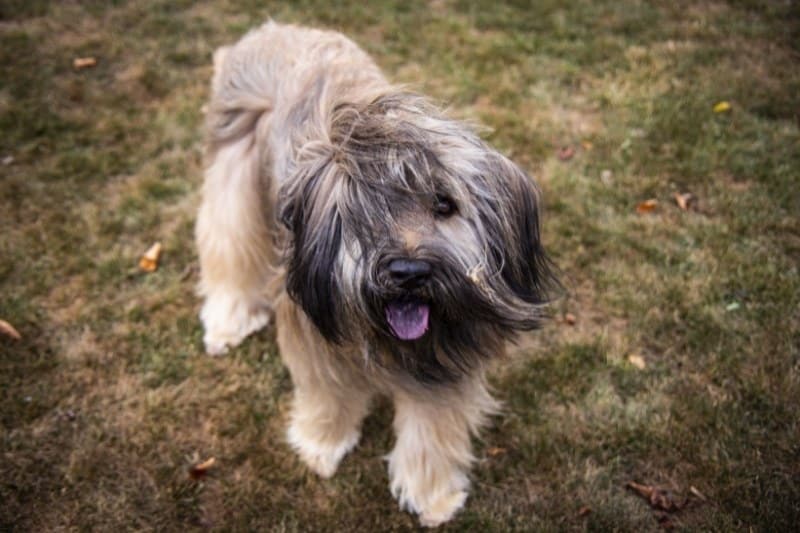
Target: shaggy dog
(397,251)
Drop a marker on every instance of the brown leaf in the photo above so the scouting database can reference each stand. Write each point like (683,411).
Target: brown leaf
(199,470)
(660,499)
(570,319)
(565,153)
(494,451)
(149,261)
(84,62)
(683,200)
(648,206)
(637,361)
(9,330)
(584,511)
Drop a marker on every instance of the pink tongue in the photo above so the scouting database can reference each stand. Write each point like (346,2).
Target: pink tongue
(409,320)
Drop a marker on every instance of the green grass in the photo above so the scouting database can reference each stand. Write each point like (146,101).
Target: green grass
(108,399)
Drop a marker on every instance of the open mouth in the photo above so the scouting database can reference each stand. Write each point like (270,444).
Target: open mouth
(408,318)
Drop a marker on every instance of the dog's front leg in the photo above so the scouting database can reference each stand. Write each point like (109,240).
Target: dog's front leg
(429,464)
(330,400)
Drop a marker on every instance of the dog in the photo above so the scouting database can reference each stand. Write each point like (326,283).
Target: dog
(397,252)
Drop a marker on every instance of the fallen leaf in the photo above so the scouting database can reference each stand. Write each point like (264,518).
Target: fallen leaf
(605,176)
(587,145)
(565,153)
(494,451)
(9,330)
(661,499)
(84,62)
(648,206)
(7,160)
(199,471)
(722,107)
(733,306)
(683,200)
(637,361)
(149,261)
(570,319)
(584,511)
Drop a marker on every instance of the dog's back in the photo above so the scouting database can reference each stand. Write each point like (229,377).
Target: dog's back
(283,73)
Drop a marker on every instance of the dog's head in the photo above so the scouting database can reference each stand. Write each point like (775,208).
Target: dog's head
(409,233)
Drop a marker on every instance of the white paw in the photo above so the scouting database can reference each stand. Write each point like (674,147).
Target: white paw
(442,509)
(228,321)
(435,495)
(321,457)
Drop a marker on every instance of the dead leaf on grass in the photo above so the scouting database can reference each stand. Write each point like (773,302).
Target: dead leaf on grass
(684,200)
(584,511)
(660,499)
(494,451)
(637,361)
(8,329)
(200,470)
(722,107)
(84,62)
(570,319)
(565,153)
(149,261)
(648,206)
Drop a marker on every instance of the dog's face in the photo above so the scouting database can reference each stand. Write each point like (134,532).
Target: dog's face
(412,236)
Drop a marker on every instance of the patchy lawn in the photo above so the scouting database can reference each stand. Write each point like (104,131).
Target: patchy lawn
(681,369)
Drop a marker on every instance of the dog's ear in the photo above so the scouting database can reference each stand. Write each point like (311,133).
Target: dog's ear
(310,213)
(513,218)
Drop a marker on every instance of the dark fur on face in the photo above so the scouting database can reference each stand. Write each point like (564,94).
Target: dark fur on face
(355,199)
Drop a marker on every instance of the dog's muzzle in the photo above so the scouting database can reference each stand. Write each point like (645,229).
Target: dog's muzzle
(408,317)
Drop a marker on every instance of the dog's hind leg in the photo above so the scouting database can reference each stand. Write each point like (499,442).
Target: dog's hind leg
(233,225)
(330,398)
(429,464)
(234,245)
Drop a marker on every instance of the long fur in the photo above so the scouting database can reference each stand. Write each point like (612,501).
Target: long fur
(320,173)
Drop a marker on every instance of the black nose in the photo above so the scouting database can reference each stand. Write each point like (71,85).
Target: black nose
(409,273)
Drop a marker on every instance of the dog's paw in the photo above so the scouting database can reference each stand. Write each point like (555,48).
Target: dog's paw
(433,511)
(435,496)
(442,509)
(227,324)
(214,346)
(322,457)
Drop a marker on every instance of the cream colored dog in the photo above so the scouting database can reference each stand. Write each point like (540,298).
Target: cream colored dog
(397,251)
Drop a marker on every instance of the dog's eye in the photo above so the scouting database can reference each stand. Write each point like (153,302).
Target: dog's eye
(445,206)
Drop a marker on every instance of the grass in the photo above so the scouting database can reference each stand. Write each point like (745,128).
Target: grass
(107,399)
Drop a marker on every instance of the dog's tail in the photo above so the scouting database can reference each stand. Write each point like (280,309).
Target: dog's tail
(238,100)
